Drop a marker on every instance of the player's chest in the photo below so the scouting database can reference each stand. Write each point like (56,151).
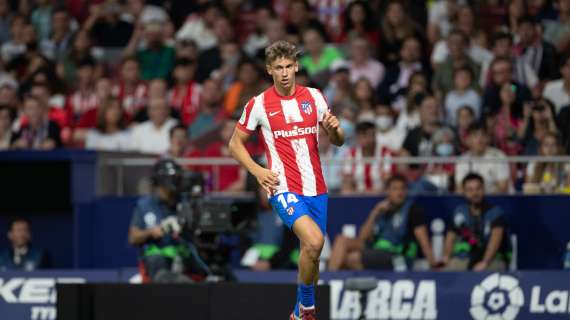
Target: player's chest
(287,114)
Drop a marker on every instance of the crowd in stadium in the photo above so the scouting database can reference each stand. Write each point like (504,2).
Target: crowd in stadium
(442,78)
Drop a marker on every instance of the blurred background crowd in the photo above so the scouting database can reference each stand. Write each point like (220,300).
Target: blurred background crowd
(427,79)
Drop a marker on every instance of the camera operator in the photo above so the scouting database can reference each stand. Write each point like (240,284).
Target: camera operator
(165,253)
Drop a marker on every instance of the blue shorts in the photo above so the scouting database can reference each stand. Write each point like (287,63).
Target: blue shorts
(291,206)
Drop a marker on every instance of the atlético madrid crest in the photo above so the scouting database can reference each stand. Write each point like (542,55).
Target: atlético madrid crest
(306,107)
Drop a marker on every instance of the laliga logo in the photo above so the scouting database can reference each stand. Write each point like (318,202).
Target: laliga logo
(497,297)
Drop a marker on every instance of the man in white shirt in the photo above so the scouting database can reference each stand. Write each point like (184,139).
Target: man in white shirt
(495,173)
(387,134)
(558,91)
(152,136)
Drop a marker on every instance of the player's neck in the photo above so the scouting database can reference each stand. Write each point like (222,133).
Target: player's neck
(284,92)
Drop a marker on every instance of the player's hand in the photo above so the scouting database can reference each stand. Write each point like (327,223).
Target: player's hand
(268,179)
(156,232)
(330,122)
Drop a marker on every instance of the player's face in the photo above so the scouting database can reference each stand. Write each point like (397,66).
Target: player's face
(282,70)
(474,191)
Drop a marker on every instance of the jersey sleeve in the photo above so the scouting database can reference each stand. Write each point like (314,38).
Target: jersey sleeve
(250,117)
(321,102)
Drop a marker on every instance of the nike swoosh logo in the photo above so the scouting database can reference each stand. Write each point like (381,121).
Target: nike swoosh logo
(271,114)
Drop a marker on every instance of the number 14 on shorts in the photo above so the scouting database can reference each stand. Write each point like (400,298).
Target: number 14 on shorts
(285,201)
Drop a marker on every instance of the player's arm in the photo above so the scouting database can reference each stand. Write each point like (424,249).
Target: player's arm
(266,178)
(331,124)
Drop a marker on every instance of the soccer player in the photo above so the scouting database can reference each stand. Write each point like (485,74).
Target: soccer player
(288,116)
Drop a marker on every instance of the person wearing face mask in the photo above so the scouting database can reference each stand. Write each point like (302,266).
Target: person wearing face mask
(387,134)
(439,175)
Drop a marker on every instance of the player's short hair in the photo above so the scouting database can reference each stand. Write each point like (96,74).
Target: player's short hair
(281,49)
(473,176)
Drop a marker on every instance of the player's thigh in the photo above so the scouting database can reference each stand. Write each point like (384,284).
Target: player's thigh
(308,232)
(318,206)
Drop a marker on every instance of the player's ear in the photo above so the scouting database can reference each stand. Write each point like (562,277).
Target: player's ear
(268,69)
(296,66)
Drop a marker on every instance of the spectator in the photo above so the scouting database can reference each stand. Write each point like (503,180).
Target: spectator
(462,95)
(331,158)
(39,132)
(540,55)
(156,58)
(7,115)
(496,174)
(465,118)
(359,23)
(22,255)
(211,59)
(210,113)
(41,18)
(381,239)
(362,65)
(387,134)
(476,238)
(521,71)
(441,19)
(398,75)
(396,28)
(367,165)
(106,27)
(259,39)
(55,47)
(465,21)
(84,98)
(538,121)
(151,136)
(558,91)
(557,31)
(363,97)
(438,177)
(178,141)
(419,141)
(103,92)
(5,20)
(547,177)
(319,56)
(17,43)
(157,88)
(273,30)
(9,92)
(339,90)
(249,83)
(516,10)
(502,69)
(230,54)
(110,132)
(443,79)
(407,107)
(508,123)
(81,50)
(300,17)
(199,27)
(185,95)
(130,90)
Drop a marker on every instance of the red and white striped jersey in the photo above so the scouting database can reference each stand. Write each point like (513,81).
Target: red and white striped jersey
(369,177)
(289,128)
